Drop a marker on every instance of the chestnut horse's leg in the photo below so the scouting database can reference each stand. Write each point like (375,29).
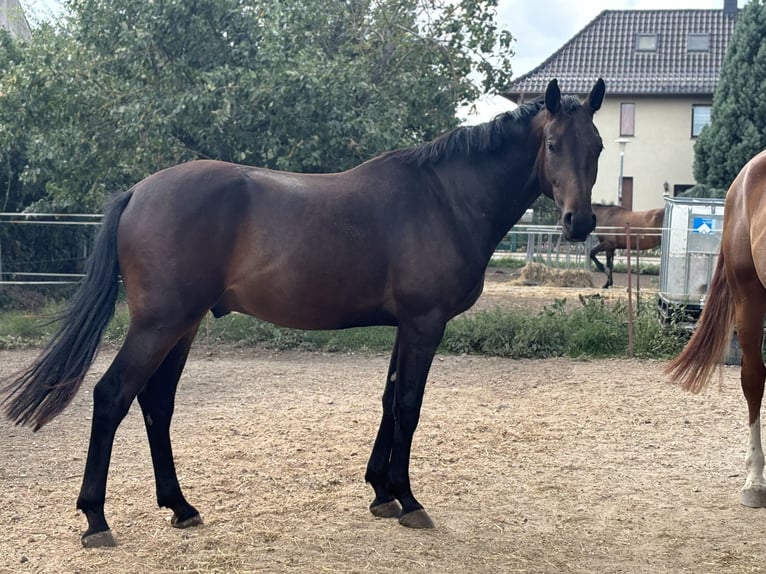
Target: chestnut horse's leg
(140,356)
(593,252)
(384,505)
(750,305)
(418,341)
(609,269)
(157,399)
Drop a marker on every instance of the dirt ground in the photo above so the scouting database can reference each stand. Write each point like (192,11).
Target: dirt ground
(525,466)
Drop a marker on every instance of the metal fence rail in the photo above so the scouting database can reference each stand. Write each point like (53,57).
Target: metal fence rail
(530,243)
(15,230)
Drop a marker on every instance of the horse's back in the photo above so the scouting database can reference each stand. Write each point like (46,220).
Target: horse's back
(744,235)
(306,251)
(613,219)
(238,238)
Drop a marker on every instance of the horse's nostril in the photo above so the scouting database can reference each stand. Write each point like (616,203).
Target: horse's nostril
(568,219)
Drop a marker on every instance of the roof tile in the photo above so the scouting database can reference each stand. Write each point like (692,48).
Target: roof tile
(605,48)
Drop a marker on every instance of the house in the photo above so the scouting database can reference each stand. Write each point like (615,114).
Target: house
(12,18)
(660,68)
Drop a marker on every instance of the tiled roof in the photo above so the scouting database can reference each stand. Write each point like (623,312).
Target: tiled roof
(606,48)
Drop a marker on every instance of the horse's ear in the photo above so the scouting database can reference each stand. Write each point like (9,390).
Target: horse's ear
(596,96)
(553,97)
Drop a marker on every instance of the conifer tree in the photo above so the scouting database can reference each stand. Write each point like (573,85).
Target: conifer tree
(737,129)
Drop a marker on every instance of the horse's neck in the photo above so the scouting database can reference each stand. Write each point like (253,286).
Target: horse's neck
(494,191)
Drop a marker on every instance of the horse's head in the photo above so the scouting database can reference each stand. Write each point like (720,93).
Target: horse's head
(567,159)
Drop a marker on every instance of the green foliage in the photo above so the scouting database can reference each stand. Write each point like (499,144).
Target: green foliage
(242,330)
(20,329)
(737,129)
(119,89)
(595,329)
(507,262)
(590,328)
(545,211)
(645,269)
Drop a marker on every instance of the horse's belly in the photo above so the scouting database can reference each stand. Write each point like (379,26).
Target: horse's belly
(312,308)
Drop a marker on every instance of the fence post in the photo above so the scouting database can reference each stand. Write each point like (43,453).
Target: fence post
(629,280)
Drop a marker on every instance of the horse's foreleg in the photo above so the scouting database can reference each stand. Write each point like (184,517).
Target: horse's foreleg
(417,345)
(752,374)
(609,269)
(157,400)
(112,397)
(754,492)
(384,505)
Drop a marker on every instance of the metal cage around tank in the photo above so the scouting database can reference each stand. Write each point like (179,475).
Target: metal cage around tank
(691,237)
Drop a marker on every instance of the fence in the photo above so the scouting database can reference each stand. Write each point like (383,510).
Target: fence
(45,248)
(545,244)
(51,249)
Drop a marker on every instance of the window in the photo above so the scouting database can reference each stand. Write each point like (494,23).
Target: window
(698,43)
(700,118)
(646,42)
(627,119)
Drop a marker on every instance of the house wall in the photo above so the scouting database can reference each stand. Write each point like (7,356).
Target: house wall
(662,149)
(12,18)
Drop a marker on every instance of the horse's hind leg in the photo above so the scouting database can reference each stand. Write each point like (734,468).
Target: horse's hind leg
(157,400)
(140,356)
(593,252)
(749,319)
(384,505)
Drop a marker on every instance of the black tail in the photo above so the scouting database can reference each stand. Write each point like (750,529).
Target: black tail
(41,392)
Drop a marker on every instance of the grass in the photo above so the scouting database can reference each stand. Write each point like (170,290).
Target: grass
(507,262)
(593,329)
(645,269)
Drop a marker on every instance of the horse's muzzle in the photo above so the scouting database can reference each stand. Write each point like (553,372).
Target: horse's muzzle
(577,226)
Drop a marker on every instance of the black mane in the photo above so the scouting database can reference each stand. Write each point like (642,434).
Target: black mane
(483,138)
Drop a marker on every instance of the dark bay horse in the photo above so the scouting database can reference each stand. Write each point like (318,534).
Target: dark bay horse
(645,228)
(737,296)
(401,240)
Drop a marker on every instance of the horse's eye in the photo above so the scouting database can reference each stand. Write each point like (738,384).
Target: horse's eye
(551,147)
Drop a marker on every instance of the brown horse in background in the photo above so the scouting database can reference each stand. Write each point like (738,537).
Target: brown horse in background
(403,240)
(645,233)
(737,296)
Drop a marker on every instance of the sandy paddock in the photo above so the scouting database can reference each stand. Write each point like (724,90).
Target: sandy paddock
(525,466)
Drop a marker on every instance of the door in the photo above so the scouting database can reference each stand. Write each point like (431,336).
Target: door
(627,193)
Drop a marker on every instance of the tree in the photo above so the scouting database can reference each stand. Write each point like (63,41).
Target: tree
(121,89)
(737,130)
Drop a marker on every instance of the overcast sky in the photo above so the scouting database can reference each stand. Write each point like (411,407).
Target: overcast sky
(541,27)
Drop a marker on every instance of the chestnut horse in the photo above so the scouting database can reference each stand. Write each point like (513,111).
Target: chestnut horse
(737,297)
(401,240)
(645,233)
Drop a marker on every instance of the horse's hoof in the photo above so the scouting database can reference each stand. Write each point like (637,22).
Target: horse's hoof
(390,509)
(195,520)
(416,519)
(103,539)
(753,497)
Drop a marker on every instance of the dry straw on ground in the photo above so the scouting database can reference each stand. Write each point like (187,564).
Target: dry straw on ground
(539,274)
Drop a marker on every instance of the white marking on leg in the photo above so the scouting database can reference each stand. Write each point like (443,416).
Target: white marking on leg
(754,458)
